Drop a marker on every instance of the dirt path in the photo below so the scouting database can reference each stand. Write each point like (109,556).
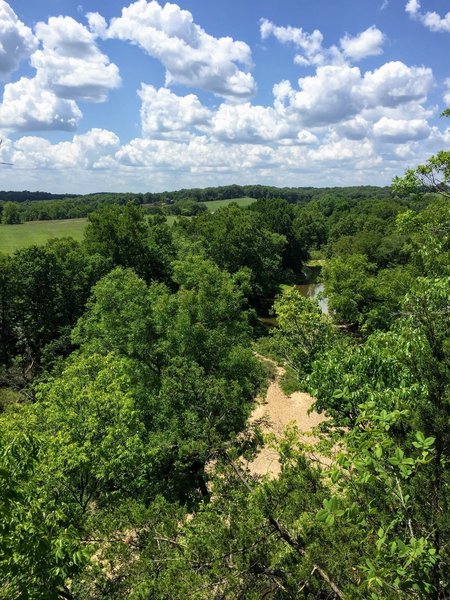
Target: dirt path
(279,410)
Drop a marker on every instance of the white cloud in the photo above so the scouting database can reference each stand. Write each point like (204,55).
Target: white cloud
(340,151)
(354,129)
(166,115)
(327,97)
(97,24)
(400,130)
(190,56)
(245,123)
(68,66)
(395,83)
(340,124)
(447,92)
(27,106)
(367,43)
(96,161)
(432,20)
(339,94)
(412,7)
(71,64)
(310,44)
(88,151)
(16,40)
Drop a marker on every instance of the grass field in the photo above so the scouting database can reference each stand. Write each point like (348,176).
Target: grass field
(14,237)
(215,204)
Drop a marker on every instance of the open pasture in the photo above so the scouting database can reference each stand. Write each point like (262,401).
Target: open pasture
(14,237)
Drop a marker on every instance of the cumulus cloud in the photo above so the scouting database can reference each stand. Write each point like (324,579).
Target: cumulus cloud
(395,83)
(70,62)
(96,160)
(190,56)
(369,122)
(412,7)
(339,93)
(354,129)
(92,150)
(16,40)
(166,115)
(198,155)
(327,97)
(367,43)
(69,66)
(432,20)
(27,106)
(447,92)
(341,97)
(400,130)
(245,123)
(310,44)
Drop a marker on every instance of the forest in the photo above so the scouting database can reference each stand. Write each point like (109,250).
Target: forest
(18,207)
(130,365)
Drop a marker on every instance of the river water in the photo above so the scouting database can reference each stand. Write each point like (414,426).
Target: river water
(312,290)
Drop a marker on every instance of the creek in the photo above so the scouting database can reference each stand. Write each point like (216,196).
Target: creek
(312,290)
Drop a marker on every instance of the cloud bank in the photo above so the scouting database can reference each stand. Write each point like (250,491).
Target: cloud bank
(335,122)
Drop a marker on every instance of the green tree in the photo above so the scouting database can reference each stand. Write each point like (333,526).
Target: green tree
(349,287)
(248,245)
(194,345)
(7,294)
(278,216)
(303,333)
(39,547)
(121,234)
(10,214)
(432,176)
(51,285)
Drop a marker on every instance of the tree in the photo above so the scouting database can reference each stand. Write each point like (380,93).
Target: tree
(91,421)
(303,332)
(433,176)
(121,234)
(349,287)
(51,284)
(10,214)
(279,216)
(7,294)
(249,245)
(39,547)
(194,347)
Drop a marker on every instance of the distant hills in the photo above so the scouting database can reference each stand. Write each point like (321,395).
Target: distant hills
(291,194)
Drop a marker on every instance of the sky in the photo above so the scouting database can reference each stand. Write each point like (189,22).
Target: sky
(146,96)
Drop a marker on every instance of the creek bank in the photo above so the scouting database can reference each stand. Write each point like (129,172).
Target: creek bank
(275,412)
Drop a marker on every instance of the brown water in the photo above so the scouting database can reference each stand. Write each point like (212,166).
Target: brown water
(312,290)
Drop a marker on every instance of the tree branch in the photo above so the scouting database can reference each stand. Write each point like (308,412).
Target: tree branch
(283,532)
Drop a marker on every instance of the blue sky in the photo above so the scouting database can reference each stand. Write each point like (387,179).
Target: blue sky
(146,96)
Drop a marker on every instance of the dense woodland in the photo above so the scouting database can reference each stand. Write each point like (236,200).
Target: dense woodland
(18,207)
(129,370)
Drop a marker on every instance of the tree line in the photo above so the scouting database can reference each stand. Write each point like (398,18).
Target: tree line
(18,207)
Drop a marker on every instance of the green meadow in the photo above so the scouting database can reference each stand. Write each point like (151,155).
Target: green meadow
(215,204)
(14,237)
